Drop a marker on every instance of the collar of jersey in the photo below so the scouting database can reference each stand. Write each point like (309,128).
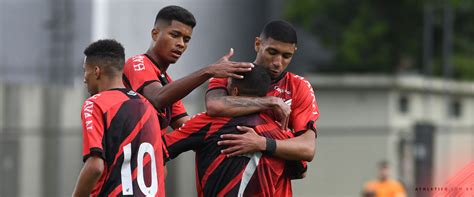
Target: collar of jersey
(154,63)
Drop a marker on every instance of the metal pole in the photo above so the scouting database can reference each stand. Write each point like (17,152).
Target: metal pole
(448,17)
(428,12)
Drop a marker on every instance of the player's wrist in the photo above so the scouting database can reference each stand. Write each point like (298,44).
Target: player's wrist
(270,146)
(269,102)
(208,71)
(262,144)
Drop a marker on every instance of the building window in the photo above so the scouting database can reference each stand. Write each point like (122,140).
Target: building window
(455,108)
(403,104)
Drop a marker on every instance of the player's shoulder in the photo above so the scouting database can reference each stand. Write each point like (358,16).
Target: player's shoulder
(109,98)
(95,101)
(296,78)
(136,58)
(138,62)
(394,182)
(299,82)
(371,184)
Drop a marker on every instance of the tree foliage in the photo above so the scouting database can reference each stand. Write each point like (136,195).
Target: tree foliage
(384,36)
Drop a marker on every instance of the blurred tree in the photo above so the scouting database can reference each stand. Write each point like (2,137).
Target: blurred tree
(384,36)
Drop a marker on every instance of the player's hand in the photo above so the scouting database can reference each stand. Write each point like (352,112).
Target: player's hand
(281,111)
(226,68)
(239,144)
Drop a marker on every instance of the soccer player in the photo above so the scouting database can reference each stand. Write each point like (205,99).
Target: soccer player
(384,186)
(275,48)
(248,175)
(146,73)
(122,144)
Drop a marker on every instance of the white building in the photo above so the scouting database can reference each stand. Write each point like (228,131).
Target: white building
(367,118)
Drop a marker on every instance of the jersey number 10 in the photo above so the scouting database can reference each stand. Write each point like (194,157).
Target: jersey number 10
(126,172)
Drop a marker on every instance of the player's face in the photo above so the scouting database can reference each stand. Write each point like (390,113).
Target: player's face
(274,55)
(170,41)
(90,78)
(384,172)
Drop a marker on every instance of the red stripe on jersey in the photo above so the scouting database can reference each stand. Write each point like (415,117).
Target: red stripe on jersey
(116,191)
(110,115)
(231,184)
(111,111)
(211,168)
(216,125)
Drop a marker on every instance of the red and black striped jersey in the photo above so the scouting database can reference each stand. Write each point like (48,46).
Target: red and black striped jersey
(122,128)
(296,92)
(141,70)
(216,175)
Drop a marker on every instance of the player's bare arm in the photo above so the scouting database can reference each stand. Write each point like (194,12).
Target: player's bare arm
(218,103)
(298,148)
(90,174)
(161,96)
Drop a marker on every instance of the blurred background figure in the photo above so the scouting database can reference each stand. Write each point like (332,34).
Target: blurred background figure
(384,185)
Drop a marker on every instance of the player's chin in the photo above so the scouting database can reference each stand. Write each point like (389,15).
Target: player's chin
(173,60)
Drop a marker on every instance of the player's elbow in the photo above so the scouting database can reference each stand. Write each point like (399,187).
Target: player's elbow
(95,167)
(308,153)
(214,107)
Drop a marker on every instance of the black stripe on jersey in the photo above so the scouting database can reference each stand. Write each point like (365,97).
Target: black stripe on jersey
(179,116)
(115,176)
(231,167)
(210,150)
(234,191)
(140,89)
(129,93)
(121,126)
(126,81)
(192,142)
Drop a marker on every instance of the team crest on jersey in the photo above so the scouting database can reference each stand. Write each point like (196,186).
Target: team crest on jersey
(131,93)
(278,89)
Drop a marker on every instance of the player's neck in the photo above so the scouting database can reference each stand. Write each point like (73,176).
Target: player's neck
(157,61)
(111,84)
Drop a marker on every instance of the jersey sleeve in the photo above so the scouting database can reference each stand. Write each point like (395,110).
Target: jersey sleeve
(92,130)
(304,109)
(215,83)
(188,137)
(178,111)
(137,74)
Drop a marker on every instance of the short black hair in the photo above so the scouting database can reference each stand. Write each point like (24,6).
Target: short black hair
(280,30)
(255,82)
(108,54)
(173,12)
(383,164)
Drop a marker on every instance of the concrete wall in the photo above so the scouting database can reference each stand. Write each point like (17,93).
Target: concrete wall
(353,137)
(26,140)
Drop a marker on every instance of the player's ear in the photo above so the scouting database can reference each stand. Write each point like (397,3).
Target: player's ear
(97,72)
(234,91)
(154,33)
(258,43)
